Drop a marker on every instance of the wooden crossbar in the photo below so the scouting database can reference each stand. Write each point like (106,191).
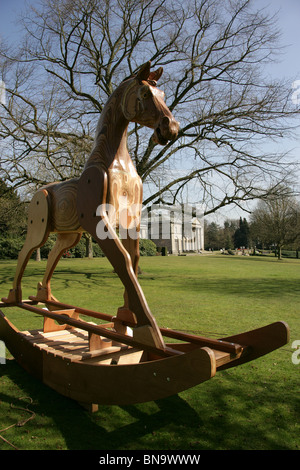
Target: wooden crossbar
(219,345)
(98,330)
(83,311)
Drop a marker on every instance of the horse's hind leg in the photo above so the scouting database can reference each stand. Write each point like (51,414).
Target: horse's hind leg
(37,234)
(63,242)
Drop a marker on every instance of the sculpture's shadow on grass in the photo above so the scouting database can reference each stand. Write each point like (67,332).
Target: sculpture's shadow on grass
(226,413)
(260,287)
(111,428)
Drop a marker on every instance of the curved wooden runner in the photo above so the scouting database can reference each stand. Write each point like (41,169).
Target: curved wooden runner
(120,374)
(92,363)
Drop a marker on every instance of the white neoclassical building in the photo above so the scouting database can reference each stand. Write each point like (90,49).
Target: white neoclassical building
(178,231)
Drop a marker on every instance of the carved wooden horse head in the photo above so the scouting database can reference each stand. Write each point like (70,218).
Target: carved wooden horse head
(144,103)
(79,205)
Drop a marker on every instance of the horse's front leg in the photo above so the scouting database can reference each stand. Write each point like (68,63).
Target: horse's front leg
(132,247)
(91,199)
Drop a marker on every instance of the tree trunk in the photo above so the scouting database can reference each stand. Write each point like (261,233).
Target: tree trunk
(88,247)
(38,255)
(279,247)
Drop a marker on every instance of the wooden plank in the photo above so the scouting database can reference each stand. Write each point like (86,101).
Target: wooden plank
(125,357)
(68,345)
(55,339)
(31,333)
(103,352)
(224,357)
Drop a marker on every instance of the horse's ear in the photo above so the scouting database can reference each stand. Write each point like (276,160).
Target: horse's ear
(156,75)
(144,72)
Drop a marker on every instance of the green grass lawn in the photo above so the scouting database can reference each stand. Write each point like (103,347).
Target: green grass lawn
(254,406)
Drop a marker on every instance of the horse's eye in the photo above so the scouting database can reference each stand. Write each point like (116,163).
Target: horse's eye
(145,93)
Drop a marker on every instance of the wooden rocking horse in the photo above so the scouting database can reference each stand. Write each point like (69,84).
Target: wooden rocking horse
(102,363)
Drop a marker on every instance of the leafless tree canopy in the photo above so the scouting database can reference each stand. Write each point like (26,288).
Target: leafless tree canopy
(214,54)
(276,220)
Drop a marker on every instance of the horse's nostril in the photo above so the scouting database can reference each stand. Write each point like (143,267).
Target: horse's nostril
(167,130)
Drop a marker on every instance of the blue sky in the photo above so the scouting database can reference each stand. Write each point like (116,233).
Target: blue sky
(289,18)
(289,21)
(9,10)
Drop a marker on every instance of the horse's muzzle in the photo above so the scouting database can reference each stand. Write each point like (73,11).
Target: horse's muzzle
(167,130)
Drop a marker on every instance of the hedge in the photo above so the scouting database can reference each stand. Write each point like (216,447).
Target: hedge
(10,247)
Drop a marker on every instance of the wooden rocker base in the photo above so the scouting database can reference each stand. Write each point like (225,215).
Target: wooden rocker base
(93,364)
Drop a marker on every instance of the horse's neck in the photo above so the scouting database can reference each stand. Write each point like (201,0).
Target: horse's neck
(110,145)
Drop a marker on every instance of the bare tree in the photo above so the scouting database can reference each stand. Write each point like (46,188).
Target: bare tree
(276,221)
(214,53)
